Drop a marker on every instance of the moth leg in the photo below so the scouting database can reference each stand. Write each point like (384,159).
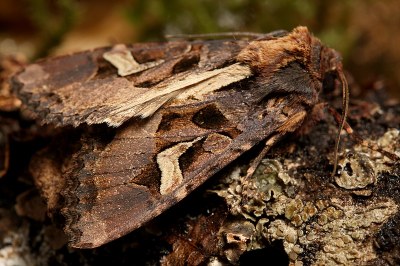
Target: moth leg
(291,124)
(254,164)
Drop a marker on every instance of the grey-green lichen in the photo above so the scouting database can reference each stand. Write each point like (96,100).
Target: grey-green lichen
(276,205)
(249,196)
(361,165)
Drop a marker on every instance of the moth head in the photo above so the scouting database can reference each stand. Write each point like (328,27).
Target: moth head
(267,57)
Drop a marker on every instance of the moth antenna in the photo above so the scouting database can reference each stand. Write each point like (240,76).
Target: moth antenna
(234,35)
(345,109)
(215,35)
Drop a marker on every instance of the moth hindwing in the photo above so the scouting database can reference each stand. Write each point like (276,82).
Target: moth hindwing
(181,111)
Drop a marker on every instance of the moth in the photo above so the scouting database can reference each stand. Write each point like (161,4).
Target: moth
(181,112)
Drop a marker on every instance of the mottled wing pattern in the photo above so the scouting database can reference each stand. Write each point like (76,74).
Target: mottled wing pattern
(151,165)
(85,87)
(184,111)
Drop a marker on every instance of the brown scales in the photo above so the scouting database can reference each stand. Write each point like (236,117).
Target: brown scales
(253,92)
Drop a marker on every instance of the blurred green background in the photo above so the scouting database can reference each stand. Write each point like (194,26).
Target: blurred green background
(366,32)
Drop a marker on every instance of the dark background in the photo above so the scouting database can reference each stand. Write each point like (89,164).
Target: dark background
(366,32)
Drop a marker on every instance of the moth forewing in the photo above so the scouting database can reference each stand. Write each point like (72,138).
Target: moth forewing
(182,111)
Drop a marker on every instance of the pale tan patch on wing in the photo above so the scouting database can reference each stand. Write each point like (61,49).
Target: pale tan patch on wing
(216,80)
(168,162)
(121,58)
(181,87)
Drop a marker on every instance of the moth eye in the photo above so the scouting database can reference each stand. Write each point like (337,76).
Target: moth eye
(328,83)
(210,117)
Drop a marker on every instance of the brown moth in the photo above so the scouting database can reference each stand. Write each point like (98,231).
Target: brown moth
(181,110)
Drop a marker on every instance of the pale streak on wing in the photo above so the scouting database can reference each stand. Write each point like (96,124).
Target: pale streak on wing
(228,75)
(191,85)
(121,58)
(168,162)
(152,106)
